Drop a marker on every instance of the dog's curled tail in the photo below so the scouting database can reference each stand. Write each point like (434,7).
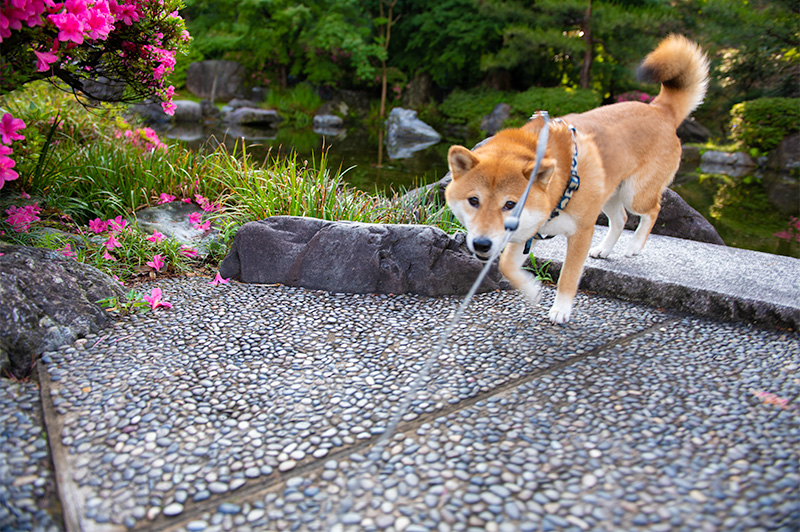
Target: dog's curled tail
(681,67)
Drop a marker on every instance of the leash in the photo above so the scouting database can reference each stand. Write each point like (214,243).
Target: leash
(374,457)
(573,184)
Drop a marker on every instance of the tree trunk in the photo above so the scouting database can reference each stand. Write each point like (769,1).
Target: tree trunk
(387,35)
(588,54)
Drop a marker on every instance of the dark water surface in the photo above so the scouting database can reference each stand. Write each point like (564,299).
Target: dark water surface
(749,211)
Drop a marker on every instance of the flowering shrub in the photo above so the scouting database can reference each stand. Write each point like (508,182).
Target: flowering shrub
(635,96)
(108,50)
(792,232)
(8,133)
(127,46)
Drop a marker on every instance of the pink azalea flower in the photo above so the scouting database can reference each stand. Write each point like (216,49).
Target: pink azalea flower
(205,226)
(97,226)
(6,172)
(195,217)
(187,251)
(165,198)
(112,243)
(44,59)
(156,237)
(24,195)
(219,280)
(187,200)
(157,263)
(108,256)
(117,224)
(155,299)
(70,27)
(169,108)
(9,127)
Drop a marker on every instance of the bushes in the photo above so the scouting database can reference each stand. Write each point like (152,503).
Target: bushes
(761,124)
(468,107)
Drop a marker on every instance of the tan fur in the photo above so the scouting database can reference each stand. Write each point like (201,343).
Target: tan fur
(628,154)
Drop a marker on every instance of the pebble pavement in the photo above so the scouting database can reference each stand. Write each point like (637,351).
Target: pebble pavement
(265,408)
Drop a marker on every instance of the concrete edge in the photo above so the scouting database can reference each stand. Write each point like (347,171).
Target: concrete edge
(705,302)
(72,501)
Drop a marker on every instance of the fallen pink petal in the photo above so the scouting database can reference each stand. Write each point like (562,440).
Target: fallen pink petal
(205,226)
(155,299)
(156,237)
(108,256)
(219,280)
(187,251)
(195,217)
(165,198)
(157,263)
(112,243)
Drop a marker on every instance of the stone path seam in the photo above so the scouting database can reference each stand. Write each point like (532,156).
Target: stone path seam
(311,464)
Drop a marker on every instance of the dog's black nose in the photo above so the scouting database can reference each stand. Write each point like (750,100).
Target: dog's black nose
(482,245)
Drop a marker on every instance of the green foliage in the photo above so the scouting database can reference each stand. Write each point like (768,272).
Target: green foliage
(296,104)
(754,50)
(540,269)
(325,42)
(762,123)
(444,39)
(131,303)
(468,107)
(544,45)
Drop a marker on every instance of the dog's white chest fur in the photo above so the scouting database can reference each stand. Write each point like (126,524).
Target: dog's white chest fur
(563,224)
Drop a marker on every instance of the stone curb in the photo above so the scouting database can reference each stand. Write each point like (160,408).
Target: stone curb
(703,279)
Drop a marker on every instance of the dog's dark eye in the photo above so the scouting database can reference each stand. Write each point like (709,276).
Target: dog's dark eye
(474,201)
(509,205)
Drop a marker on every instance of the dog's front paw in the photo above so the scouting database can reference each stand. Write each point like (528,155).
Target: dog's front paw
(560,311)
(532,290)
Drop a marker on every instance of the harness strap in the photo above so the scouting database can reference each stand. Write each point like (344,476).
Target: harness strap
(573,185)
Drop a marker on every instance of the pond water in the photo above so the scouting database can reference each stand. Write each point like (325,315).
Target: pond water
(749,211)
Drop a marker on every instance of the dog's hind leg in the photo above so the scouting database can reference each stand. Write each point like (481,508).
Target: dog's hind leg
(646,222)
(617,217)
(510,265)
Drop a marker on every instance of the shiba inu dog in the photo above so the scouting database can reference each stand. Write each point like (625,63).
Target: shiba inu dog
(624,156)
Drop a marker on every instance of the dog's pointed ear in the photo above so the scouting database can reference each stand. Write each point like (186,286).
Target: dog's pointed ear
(545,171)
(460,160)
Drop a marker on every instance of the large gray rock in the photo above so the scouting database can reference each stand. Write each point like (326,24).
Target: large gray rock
(493,122)
(406,134)
(215,80)
(327,124)
(419,91)
(692,131)
(187,111)
(787,155)
(253,116)
(736,164)
(47,301)
(172,220)
(351,257)
(678,219)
